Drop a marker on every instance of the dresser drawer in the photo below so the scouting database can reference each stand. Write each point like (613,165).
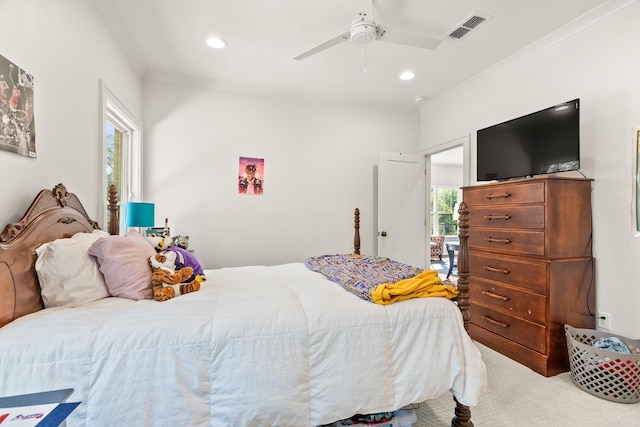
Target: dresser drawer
(499,194)
(512,271)
(507,216)
(526,333)
(508,241)
(526,305)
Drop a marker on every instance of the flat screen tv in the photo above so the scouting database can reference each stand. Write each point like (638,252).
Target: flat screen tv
(543,142)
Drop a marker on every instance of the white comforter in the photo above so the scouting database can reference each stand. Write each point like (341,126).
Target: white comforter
(257,346)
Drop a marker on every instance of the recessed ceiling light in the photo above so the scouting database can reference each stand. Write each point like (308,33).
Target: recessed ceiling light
(216,42)
(407,75)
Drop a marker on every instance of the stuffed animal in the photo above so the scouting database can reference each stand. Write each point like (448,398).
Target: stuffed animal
(159,243)
(180,257)
(166,281)
(183,257)
(181,241)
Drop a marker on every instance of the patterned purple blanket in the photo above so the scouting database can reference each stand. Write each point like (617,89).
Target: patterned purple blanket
(360,274)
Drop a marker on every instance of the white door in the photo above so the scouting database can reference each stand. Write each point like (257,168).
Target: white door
(401,208)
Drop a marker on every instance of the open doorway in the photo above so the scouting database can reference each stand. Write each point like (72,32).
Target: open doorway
(446,174)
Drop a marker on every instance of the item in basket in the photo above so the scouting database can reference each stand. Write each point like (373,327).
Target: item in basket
(626,373)
(611,344)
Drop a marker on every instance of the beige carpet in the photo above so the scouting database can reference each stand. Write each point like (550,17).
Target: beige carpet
(517,396)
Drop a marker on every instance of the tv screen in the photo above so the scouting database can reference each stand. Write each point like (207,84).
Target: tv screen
(543,142)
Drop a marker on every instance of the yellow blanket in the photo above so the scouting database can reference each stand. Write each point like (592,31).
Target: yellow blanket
(425,284)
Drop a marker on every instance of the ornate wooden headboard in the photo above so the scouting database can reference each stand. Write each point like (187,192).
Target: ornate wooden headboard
(53,214)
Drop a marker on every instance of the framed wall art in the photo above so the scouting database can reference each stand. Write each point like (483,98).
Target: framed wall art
(635,208)
(17,127)
(250,176)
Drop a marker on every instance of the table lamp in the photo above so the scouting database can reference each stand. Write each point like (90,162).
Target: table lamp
(139,214)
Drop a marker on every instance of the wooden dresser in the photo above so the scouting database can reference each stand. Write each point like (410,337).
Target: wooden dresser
(530,267)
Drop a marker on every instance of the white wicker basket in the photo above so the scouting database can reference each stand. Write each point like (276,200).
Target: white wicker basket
(602,373)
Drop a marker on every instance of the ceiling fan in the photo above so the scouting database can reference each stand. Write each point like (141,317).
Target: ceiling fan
(364,30)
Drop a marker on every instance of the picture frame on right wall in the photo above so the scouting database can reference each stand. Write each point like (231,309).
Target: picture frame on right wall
(635,207)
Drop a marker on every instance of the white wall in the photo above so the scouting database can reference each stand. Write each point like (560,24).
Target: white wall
(446,175)
(320,162)
(600,66)
(67,47)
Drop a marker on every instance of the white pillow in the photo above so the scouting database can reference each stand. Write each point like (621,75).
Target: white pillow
(68,275)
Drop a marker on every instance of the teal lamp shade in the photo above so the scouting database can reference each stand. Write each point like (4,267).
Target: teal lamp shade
(139,214)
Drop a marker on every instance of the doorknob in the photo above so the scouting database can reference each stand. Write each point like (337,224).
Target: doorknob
(383,234)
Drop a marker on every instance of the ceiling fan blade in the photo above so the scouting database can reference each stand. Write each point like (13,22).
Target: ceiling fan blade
(391,34)
(325,45)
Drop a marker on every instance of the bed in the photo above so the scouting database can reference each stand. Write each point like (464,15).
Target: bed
(255,346)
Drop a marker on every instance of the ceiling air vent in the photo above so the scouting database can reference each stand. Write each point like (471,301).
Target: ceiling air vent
(467,25)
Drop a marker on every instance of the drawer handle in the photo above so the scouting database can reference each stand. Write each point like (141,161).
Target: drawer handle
(493,240)
(495,322)
(490,217)
(498,196)
(496,296)
(495,270)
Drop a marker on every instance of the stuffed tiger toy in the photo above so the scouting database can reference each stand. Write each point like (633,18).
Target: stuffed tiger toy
(166,281)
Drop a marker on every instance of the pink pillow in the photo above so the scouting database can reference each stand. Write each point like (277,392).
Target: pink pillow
(124,263)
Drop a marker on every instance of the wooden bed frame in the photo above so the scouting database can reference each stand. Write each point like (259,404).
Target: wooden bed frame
(53,214)
(56,213)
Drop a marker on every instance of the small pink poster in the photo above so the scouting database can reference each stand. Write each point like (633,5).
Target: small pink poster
(251,175)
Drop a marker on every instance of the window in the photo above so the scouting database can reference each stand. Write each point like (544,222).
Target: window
(443,211)
(121,153)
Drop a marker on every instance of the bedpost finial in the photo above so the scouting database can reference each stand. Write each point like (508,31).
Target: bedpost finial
(114,211)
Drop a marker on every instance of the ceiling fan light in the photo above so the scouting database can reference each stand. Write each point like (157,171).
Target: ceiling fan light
(407,75)
(216,43)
